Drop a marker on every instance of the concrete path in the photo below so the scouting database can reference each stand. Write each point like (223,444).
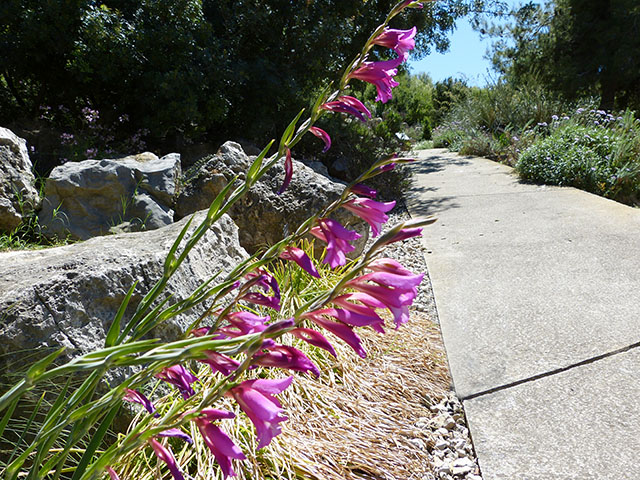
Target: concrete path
(538,294)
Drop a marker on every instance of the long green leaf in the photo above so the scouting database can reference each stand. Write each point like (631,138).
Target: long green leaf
(257,163)
(288,133)
(39,367)
(95,443)
(114,329)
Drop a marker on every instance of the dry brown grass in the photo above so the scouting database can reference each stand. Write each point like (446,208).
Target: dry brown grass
(359,419)
(356,422)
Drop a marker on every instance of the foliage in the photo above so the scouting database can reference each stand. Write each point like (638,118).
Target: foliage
(229,335)
(576,48)
(187,70)
(594,151)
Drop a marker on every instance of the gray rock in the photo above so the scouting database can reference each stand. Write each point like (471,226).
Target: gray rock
(90,198)
(18,194)
(67,296)
(263,216)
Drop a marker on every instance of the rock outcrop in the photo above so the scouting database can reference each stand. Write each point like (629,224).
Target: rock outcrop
(263,216)
(18,194)
(67,296)
(95,197)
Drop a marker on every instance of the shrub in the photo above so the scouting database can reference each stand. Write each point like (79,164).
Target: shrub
(594,158)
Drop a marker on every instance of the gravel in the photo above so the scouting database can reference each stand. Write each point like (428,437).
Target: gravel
(451,454)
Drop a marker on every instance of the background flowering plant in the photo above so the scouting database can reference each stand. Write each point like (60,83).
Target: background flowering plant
(235,335)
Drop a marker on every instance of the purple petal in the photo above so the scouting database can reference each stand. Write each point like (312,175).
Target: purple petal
(302,259)
(137,397)
(324,136)
(177,433)
(288,172)
(315,338)
(165,454)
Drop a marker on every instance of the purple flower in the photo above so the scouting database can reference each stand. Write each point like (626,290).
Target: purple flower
(180,377)
(219,443)
(361,189)
(112,474)
(337,238)
(370,211)
(393,285)
(220,363)
(339,329)
(302,259)
(401,41)
(243,323)
(256,399)
(137,397)
(283,356)
(404,234)
(349,105)
(288,172)
(355,315)
(314,338)
(176,433)
(166,455)
(324,136)
(381,75)
(266,281)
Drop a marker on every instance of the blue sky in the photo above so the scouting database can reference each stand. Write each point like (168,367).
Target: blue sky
(465,58)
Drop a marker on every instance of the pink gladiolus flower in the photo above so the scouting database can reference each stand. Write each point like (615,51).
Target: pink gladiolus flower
(381,75)
(297,255)
(265,281)
(337,238)
(370,211)
(256,399)
(177,433)
(349,105)
(404,234)
(112,474)
(361,189)
(166,455)
(388,167)
(401,41)
(364,313)
(220,363)
(324,136)
(243,323)
(137,397)
(219,443)
(314,338)
(283,356)
(339,329)
(181,378)
(288,172)
(394,286)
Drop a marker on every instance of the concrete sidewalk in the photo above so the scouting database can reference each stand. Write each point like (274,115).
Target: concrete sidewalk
(538,294)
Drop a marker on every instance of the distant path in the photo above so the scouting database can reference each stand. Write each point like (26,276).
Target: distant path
(538,294)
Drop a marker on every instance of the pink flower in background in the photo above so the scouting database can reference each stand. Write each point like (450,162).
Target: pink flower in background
(393,285)
(112,474)
(256,399)
(315,338)
(370,211)
(349,105)
(354,316)
(219,443)
(136,397)
(324,136)
(302,259)
(401,41)
(179,377)
(404,234)
(166,455)
(243,323)
(379,74)
(220,363)
(283,356)
(288,172)
(339,329)
(362,189)
(337,238)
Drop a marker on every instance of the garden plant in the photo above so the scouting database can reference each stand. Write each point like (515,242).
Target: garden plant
(244,329)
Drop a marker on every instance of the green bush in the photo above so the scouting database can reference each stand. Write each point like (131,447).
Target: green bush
(594,158)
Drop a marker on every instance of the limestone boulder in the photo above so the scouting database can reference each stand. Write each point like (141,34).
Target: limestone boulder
(68,296)
(93,197)
(263,216)
(18,194)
